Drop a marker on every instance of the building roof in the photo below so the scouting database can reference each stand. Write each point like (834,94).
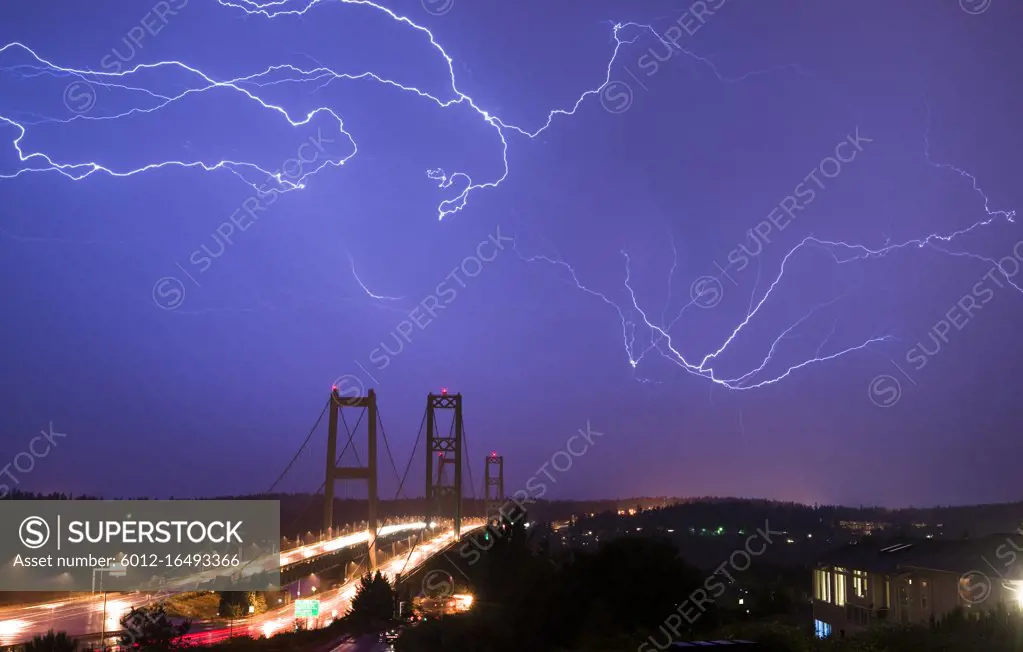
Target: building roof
(992,555)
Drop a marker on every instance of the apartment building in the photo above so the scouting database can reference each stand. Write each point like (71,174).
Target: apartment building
(870,583)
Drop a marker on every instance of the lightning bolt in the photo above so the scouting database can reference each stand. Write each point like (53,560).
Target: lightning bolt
(634,318)
(146,97)
(365,289)
(130,83)
(41,162)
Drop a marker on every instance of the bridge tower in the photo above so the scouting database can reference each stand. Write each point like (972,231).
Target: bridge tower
(367,473)
(443,499)
(493,488)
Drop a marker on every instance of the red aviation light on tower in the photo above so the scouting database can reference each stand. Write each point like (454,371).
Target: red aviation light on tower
(493,454)
(443,391)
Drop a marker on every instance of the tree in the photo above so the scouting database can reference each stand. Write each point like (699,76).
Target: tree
(232,610)
(611,598)
(149,628)
(631,585)
(237,604)
(233,603)
(59,642)
(258,601)
(373,604)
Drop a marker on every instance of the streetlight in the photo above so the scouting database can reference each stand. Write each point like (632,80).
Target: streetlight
(115,571)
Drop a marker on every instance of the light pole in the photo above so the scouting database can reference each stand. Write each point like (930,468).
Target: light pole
(116,571)
(103,636)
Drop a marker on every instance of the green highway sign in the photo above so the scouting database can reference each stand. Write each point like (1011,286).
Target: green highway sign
(307,608)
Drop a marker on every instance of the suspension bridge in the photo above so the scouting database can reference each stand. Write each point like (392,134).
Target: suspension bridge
(395,546)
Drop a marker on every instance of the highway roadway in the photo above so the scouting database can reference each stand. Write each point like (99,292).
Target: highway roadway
(82,615)
(293,555)
(333,604)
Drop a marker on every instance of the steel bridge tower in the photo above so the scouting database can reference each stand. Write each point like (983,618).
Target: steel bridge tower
(493,487)
(367,473)
(444,499)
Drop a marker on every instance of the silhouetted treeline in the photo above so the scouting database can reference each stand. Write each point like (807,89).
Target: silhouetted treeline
(302,513)
(704,516)
(28,495)
(526,600)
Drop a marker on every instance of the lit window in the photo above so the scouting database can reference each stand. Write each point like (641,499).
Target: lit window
(822,588)
(821,629)
(860,583)
(840,579)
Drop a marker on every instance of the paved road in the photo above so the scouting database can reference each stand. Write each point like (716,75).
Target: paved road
(333,604)
(84,614)
(80,616)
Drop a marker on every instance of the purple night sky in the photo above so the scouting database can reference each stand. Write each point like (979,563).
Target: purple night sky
(755,244)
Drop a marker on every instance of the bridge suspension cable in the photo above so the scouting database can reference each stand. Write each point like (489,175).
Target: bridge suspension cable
(412,457)
(300,449)
(468,458)
(387,447)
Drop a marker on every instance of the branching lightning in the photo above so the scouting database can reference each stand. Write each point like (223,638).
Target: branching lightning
(634,318)
(37,161)
(41,162)
(658,335)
